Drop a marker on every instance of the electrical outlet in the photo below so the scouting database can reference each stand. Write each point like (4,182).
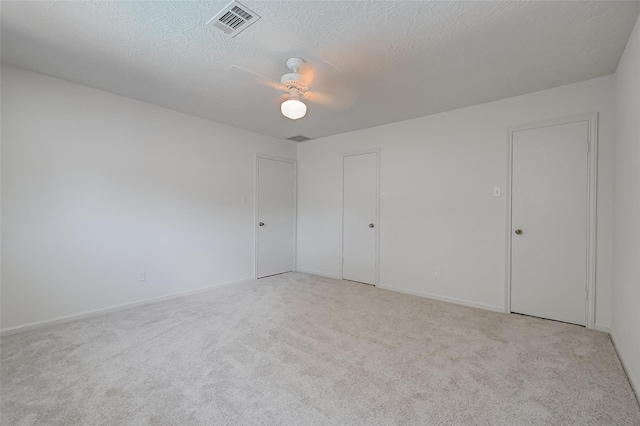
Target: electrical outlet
(142,276)
(438,272)
(496,191)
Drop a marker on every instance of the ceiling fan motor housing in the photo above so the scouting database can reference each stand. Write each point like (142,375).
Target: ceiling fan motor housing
(292,80)
(294,64)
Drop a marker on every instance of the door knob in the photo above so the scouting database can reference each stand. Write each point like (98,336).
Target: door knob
(518,231)
(371,225)
(261,223)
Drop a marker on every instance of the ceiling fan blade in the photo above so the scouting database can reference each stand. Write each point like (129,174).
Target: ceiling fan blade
(338,92)
(315,71)
(320,98)
(332,66)
(308,75)
(264,79)
(338,103)
(327,85)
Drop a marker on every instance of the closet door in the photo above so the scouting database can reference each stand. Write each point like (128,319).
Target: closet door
(276,217)
(359,216)
(549,213)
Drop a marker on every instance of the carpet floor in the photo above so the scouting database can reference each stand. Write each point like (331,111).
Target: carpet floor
(298,349)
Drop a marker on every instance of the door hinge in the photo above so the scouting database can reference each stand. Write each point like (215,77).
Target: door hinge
(588,146)
(586,294)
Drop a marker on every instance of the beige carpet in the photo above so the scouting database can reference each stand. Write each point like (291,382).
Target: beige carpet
(296,349)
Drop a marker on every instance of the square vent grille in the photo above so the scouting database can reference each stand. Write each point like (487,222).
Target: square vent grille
(298,138)
(234,18)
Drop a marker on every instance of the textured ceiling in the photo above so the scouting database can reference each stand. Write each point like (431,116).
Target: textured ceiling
(373,62)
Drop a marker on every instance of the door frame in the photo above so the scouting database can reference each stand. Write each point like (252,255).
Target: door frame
(256,208)
(377,219)
(592,182)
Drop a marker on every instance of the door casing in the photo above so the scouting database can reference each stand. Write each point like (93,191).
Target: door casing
(256,210)
(592,181)
(377,223)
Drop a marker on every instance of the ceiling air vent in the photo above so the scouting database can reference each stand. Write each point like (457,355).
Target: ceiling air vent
(298,138)
(234,18)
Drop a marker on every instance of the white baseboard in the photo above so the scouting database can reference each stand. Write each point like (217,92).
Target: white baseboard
(635,381)
(417,293)
(603,328)
(96,312)
(320,274)
(444,299)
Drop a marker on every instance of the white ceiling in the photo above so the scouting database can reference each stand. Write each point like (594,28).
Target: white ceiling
(397,59)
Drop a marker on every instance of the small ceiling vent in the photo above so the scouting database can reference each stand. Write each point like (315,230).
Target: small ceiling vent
(234,18)
(298,138)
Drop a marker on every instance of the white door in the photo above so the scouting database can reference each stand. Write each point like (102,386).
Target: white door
(275,214)
(359,216)
(549,234)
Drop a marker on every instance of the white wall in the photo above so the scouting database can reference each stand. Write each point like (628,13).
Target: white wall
(438,173)
(626,250)
(97,187)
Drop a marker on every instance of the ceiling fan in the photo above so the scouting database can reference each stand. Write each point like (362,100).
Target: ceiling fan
(301,77)
(293,107)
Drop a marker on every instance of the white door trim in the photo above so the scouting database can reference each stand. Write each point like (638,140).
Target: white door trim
(592,180)
(256,212)
(377,227)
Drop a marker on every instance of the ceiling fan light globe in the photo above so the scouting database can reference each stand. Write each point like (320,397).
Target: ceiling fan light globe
(293,109)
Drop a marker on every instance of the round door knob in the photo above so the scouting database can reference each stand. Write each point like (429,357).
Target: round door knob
(518,231)
(261,223)
(371,225)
